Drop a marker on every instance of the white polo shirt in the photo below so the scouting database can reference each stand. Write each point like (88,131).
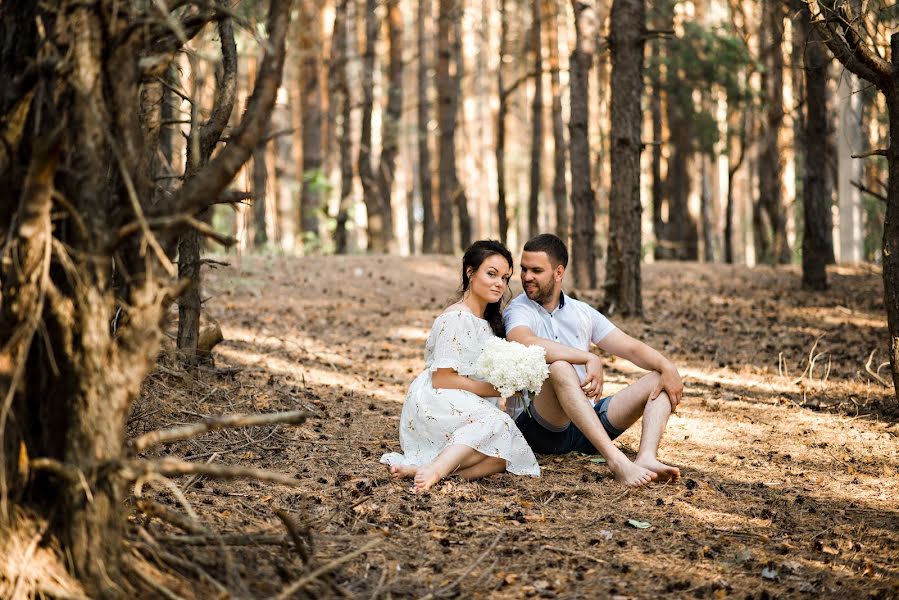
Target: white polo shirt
(573,323)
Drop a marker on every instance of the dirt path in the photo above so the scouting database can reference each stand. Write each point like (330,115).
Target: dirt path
(790,481)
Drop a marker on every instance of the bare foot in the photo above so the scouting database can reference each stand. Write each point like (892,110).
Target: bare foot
(665,472)
(425,478)
(403,471)
(632,475)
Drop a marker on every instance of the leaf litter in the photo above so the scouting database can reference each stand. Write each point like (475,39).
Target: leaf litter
(788,467)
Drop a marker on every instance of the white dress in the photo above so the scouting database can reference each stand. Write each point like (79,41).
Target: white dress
(433,419)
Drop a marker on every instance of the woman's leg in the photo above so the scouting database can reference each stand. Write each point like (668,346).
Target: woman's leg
(488,466)
(454,458)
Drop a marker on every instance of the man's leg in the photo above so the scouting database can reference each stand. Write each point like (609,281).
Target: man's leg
(630,404)
(563,401)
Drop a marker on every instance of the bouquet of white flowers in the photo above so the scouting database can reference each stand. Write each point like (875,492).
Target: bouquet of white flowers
(511,367)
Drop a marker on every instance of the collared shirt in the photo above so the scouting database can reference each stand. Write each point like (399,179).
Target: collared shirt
(573,323)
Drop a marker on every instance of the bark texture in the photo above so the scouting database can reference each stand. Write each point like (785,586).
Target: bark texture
(86,201)
(628,33)
(536,121)
(429,223)
(583,200)
(842,32)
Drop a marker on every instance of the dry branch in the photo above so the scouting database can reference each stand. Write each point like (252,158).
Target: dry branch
(204,188)
(293,588)
(233,539)
(184,432)
(173,467)
(176,221)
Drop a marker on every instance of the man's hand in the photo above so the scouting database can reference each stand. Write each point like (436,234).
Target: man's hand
(592,385)
(670,383)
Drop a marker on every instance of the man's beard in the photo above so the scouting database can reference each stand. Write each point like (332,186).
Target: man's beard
(539,294)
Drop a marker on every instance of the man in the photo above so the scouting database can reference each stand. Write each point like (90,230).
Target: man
(569,414)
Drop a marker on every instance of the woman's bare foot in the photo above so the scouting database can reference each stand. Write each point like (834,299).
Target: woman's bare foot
(403,471)
(665,472)
(632,474)
(425,478)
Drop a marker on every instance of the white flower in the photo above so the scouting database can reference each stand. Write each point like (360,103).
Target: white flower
(511,367)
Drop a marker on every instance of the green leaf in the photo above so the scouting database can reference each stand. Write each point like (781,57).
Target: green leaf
(639,524)
(598,460)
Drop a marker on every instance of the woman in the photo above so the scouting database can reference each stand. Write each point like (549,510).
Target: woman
(451,421)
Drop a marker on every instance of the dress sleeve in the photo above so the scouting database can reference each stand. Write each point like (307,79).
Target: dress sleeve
(454,342)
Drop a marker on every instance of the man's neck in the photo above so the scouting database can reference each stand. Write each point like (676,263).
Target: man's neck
(553,303)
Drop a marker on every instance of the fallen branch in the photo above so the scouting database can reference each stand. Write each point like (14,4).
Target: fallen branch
(173,467)
(876,376)
(169,515)
(184,432)
(574,553)
(293,588)
(295,535)
(232,539)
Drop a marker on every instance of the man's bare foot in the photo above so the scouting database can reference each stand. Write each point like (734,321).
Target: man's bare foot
(425,478)
(403,471)
(631,474)
(665,472)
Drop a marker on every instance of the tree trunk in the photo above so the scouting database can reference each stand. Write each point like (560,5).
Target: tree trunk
(627,39)
(445,119)
(682,242)
(849,140)
(560,188)
(429,226)
(501,209)
(370,191)
(655,107)
(260,181)
(451,193)
(459,191)
(705,209)
(851,49)
(66,392)
(736,136)
(340,96)
(770,160)
(390,128)
(536,121)
(310,46)
(199,152)
(583,200)
(816,247)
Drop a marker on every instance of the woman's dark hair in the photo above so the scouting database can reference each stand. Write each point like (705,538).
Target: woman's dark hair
(476,254)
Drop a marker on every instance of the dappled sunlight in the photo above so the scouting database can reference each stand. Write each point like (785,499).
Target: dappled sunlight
(780,467)
(309,374)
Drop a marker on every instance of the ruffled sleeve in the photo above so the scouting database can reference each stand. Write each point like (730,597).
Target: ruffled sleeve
(455,342)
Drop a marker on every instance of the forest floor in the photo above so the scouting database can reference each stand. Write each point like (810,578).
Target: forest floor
(786,442)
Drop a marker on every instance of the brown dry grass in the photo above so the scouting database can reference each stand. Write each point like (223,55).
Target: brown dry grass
(790,477)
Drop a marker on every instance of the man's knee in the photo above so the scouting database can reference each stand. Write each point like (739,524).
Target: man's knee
(561,370)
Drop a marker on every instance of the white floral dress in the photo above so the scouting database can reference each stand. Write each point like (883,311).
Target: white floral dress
(433,419)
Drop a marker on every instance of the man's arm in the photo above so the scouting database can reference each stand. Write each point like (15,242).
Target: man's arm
(621,344)
(555,351)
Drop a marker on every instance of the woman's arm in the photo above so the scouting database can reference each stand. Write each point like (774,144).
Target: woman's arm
(449,379)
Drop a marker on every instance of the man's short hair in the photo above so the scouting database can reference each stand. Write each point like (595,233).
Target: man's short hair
(554,247)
